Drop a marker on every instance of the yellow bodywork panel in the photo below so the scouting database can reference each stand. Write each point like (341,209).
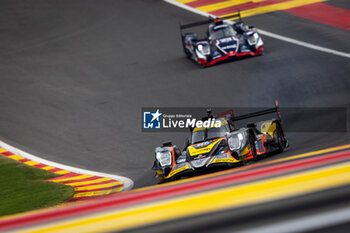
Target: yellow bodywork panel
(202,148)
(225,160)
(245,150)
(174,172)
(268,127)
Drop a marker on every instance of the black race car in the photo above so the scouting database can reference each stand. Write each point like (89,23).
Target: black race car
(224,41)
(225,145)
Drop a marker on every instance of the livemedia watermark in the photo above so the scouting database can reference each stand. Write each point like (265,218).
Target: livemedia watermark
(177,119)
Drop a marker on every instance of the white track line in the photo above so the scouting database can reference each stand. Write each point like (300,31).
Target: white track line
(194,10)
(128,183)
(269,34)
(305,44)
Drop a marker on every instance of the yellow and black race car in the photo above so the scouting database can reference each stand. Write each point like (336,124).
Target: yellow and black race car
(221,146)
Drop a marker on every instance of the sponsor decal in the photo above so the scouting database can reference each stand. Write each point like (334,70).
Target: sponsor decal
(223,156)
(226,40)
(216,57)
(227,47)
(203,144)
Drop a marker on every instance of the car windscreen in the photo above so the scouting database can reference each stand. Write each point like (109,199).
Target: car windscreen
(209,133)
(222,32)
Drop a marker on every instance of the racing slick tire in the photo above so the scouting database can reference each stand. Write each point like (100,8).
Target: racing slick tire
(280,140)
(188,53)
(252,146)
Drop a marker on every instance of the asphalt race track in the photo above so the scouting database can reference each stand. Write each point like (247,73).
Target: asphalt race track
(75,75)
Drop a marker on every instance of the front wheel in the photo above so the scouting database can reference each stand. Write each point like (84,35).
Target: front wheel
(252,147)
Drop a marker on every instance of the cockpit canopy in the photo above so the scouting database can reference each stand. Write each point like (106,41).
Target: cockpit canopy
(220,31)
(207,133)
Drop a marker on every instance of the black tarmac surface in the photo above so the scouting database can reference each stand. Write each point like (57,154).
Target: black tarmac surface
(75,75)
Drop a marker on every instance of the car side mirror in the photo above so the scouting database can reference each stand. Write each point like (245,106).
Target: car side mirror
(167,144)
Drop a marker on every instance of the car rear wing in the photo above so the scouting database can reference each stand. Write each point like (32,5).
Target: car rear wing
(276,110)
(233,15)
(195,24)
(209,20)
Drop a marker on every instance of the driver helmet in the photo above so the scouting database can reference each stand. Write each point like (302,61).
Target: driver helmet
(218,21)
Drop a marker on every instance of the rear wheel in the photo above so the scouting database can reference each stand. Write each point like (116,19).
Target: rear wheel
(280,140)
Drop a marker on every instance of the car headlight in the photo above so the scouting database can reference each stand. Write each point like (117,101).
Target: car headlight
(236,141)
(204,49)
(164,157)
(253,39)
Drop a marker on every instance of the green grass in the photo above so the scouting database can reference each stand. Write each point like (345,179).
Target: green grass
(23,188)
